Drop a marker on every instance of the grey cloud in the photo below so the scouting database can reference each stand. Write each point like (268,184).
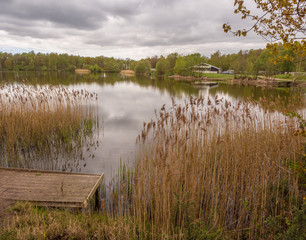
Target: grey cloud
(65,13)
(22,28)
(123,8)
(122,23)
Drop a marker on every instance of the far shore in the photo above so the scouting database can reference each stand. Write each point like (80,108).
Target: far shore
(258,81)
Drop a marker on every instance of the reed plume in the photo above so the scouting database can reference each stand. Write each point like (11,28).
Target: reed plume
(214,164)
(42,126)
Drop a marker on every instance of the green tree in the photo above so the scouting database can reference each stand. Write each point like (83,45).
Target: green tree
(8,63)
(153,61)
(184,64)
(193,59)
(286,56)
(216,59)
(143,67)
(171,58)
(162,66)
(180,66)
(264,64)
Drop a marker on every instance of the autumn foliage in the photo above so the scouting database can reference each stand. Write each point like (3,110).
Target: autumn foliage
(278,20)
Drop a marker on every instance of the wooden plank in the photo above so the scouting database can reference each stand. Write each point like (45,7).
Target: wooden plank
(93,190)
(17,193)
(48,188)
(48,182)
(46,171)
(202,83)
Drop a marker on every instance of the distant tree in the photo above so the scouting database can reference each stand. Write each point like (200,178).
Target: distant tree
(30,66)
(264,65)
(162,66)
(184,64)
(94,68)
(280,21)
(236,63)
(8,63)
(2,59)
(194,59)
(53,61)
(171,58)
(153,61)
(133,64)
(286,56)
(126,65)
(143,67)
(250,59)
(181,66)
(216,59)
(111,64)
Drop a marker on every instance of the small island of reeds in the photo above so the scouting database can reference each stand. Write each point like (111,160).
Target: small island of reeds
(44,127)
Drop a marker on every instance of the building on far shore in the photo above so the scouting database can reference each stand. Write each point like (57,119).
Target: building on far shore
(205,68)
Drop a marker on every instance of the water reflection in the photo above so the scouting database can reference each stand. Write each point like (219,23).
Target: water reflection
(124,107)
(125,103)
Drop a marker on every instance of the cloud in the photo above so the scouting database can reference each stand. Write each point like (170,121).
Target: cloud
(101,26)
(74,14)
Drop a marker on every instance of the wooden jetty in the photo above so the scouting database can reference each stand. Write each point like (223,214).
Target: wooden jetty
(282,83)
(205,84)
(48,188)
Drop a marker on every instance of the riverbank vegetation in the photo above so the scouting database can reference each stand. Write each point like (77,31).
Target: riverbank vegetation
(58,62)
(207,169)
(41,126)
(214,167)
(254,62)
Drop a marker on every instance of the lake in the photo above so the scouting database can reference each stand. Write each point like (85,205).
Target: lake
(124,104)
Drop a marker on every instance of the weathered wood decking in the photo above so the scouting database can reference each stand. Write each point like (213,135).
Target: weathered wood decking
(48,188)
(205,84)
(282,83)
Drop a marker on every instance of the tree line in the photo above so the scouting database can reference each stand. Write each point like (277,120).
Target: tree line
(259,61)
(58,62)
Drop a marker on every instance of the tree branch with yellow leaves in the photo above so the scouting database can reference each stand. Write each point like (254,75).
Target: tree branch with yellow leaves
(280,20)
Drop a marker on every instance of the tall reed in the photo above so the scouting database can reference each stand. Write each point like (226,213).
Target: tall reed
(207,169)
(44,125)
(213,164)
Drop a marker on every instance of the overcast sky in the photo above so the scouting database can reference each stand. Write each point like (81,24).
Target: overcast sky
(121,28)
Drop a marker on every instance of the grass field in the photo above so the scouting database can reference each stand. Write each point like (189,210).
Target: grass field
(216,75)
(284,76)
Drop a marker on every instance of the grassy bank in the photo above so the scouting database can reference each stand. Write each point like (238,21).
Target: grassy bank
(208,169)
(39,223)
(217,75)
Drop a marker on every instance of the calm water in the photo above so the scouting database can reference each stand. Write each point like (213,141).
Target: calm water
(125,104)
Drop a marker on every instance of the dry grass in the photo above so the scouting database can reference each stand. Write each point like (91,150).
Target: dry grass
(208,169)
(213,165)
(38,223)
(128,73)
(42,122)
(82,71)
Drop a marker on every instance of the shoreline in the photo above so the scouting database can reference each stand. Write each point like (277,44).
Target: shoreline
(259,81)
